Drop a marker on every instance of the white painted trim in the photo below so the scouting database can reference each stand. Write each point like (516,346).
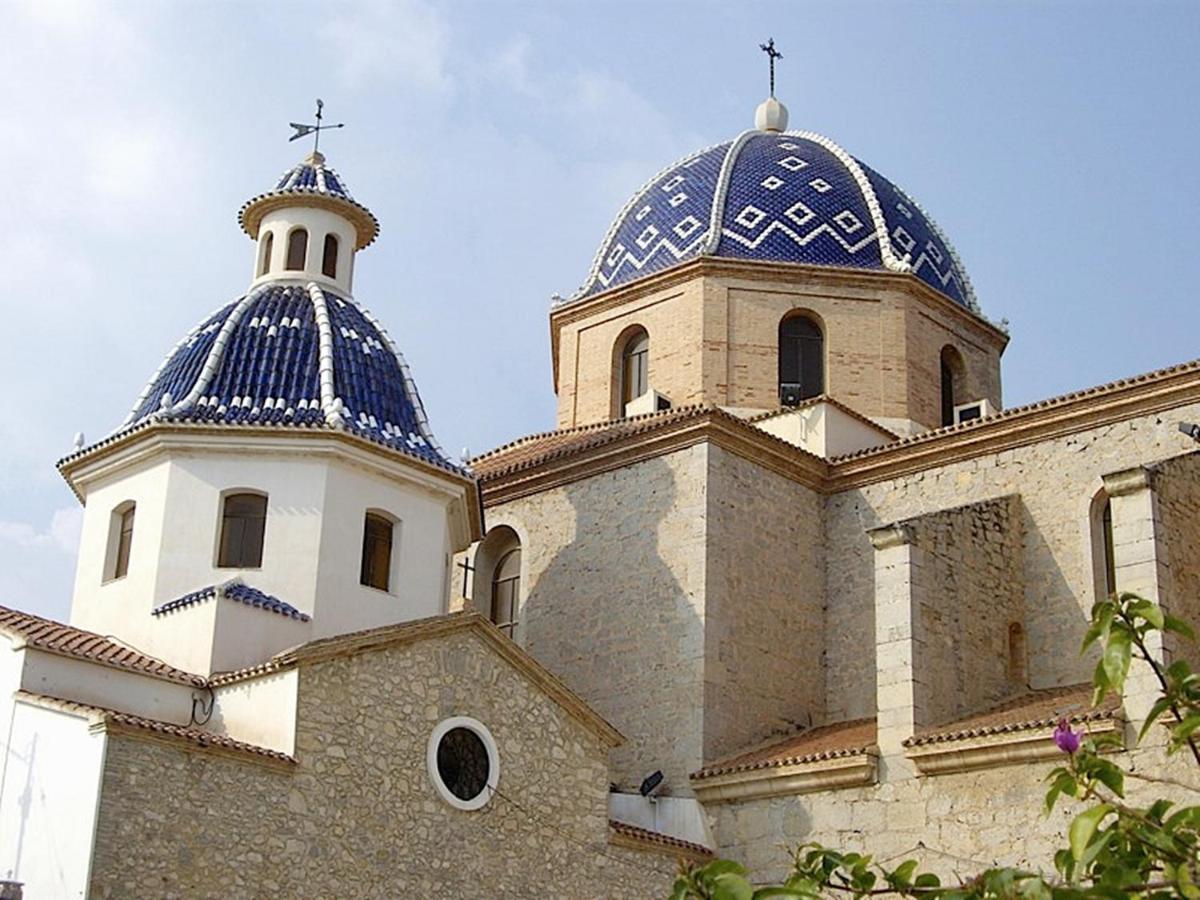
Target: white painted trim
(716,219)
(968,289)
(489,743)
(331,404)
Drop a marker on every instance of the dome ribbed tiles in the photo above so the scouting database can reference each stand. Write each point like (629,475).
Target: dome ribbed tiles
(292,355)
(781,197)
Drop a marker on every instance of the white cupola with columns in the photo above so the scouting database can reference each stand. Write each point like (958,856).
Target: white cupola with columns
(277,479)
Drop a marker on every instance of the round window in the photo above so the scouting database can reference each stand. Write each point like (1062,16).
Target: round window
(463,763)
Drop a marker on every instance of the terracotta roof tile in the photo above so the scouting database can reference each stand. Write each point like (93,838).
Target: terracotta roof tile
(1037,709)
(657,838)
(55,637)
(192,735)
(851,738)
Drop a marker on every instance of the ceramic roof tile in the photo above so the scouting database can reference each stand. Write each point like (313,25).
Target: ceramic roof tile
(851,738)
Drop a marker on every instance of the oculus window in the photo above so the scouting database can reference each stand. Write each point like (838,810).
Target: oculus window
(243,521)
(463,762)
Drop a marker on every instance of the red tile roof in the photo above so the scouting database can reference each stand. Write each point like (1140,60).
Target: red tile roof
(139,723)
(852,738)
(55,637)
(657,839)
(1037,709)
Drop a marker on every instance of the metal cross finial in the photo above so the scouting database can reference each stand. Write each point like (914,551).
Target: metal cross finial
(769,49)
(315,130)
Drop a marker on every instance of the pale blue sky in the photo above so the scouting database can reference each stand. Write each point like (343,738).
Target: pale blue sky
(1053,142)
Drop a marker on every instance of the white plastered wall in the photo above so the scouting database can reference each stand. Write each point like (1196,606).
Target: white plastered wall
(48,796)
(259,711)
(318,223)
(824,430)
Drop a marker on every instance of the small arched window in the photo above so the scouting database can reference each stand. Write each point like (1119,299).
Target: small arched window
(801,360)
(506,591)
(268,244)
(1016,653)
(120,540)
(635,366)
(329,259)
(1103,561)
(243,522)
(952,370)
(376,566)
(297,250)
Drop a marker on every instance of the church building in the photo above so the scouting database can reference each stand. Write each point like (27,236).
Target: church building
(786,569)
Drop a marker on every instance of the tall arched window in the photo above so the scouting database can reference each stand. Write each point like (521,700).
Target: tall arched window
(243,522)
(268,244)
(120,540)
(329,259)
(635,366)
(952,370)
(801,360)
(1104,567)
(1016,653)
(506,591)
(297,250)
(376,569)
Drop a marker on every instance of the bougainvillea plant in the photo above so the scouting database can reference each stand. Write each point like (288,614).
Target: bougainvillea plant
(1114,849)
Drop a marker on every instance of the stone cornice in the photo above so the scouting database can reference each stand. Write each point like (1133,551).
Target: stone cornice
(1128,481)
(1007,748)
(757,270)
(888,536)
(849,770)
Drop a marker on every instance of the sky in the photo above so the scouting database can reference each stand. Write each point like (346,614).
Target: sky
(1054,142)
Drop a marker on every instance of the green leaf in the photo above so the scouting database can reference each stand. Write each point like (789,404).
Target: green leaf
(1115,661)
(720,867)
(766,892)
(1170,623)
(903,873)
(1161,705)
(1109,775)
(732,886)
(1084,828)
(927,880)
(1185,729)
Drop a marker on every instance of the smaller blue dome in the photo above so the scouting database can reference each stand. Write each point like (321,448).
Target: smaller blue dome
(789,196)
(311,183)
(294,356)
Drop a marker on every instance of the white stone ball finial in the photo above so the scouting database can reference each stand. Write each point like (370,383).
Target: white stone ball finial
(771,115)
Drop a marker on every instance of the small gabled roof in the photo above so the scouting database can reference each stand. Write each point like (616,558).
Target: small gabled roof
(842,739)
(67,640)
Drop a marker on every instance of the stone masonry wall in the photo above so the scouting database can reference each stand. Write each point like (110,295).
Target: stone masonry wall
(764,606)
(965,822)
(1056,480)
(970,593)
(1177,486)
(614,603)
(359,817)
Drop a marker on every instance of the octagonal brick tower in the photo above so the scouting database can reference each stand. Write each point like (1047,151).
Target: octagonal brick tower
(294,399)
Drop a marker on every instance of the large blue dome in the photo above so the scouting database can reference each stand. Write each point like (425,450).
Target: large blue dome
(297,356)
(776,196)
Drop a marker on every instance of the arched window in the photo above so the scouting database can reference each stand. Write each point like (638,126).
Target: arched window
(1103,563)
(297,250)
(268,243)
(952,370)
(243,521)
(801,360)
(635,366)
(120,540)
(376,566)
(506,591)
(1016,653)
(329,260)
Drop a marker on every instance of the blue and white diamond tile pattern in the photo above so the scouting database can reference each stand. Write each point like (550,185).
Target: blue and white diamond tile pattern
(313,176)
(292,355)
(239,592)
(784,197)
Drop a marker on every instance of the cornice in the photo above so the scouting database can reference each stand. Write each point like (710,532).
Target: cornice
(849,770)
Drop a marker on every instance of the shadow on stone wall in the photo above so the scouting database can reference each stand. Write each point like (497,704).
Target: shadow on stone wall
(615,614)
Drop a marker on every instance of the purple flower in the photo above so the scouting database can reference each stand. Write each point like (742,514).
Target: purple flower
(1066,739)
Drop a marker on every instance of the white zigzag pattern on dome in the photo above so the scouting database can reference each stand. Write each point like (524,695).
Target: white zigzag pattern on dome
(330,404)
(957,270)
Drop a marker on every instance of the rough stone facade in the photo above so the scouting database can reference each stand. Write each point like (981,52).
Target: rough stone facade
(358,816)
(714,339)
(1177,487)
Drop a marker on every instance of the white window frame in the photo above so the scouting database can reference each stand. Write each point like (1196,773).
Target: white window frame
(489,743)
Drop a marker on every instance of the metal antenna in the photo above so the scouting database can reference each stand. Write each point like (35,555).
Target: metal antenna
(769,49)
(315,130)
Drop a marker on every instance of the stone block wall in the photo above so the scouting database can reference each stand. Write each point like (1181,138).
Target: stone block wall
(614,602)
(970,593)
(764,606)
(358,815)
(1177,488)
(1056,480)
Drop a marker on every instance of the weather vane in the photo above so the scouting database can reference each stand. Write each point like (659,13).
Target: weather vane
(767,48)
(315,130)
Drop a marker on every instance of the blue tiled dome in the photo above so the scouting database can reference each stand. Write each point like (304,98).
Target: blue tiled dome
(314,184)
(292,356)
(776,196)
